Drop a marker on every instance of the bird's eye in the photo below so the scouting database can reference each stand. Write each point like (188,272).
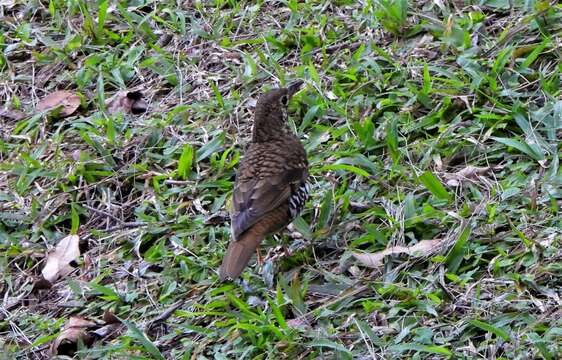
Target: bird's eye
(284,100)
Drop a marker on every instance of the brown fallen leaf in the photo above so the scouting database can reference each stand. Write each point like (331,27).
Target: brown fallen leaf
(67,99)
(469,173)
(14,115)
(129,102)
(232,56)
(374,260)
(106,330)
(112,323)
(299,323)
(75,330)
(59,259)
(164,40)
(217,218)
(110,318)
(41,284)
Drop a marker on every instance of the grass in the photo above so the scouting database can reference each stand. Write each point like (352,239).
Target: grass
(401,97)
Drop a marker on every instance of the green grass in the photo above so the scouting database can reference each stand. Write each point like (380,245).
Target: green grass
(400,96)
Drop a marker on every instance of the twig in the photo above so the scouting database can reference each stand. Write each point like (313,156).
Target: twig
(105,213)
(167,313)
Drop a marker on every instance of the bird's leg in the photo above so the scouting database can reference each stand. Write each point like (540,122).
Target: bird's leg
(259,257)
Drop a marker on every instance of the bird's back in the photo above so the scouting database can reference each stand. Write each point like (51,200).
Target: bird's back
(272,158)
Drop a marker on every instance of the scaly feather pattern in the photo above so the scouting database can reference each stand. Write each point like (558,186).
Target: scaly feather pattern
(270,188)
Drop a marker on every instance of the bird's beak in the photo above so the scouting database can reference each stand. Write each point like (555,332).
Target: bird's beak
(293,87)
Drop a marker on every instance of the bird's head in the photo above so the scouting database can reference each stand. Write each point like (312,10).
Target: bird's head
(271,112)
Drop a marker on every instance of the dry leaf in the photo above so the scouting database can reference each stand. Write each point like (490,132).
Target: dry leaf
(299,323)
(112,323)
(164,40)
(110,318)
(374,260)
(76,155)
(106,330)
(14,115)
(79,329)
(41,284)
(469,173)
(232,56)
(68,100)
(129,102)
(74,330)
(217,218)
(58,260)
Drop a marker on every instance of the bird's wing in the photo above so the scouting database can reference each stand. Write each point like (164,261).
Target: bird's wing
(253,198)
(240,251)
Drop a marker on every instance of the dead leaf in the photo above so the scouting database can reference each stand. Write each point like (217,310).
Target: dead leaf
(14,115)
(41,284)
(357,207)
(75,330)
(299,323)
(354,270)
(232,56)
(110,318)
(217,218)
(469,173)
(67,99)
(374,260)
(59,259)
(106,330)
(164,40)
(76,155)
(129,102)
(548,240)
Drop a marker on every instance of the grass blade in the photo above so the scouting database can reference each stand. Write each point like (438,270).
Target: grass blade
(456,254)
(140,336)
(432,183)
(490,328)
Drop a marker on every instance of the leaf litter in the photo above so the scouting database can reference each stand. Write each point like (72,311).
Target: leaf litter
(75,330)
(67,100)
(128,102)
(422,248)
(469,173)
(58,261)
(78,329)
(376,80)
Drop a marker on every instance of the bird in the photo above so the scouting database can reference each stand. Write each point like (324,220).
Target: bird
(270,188)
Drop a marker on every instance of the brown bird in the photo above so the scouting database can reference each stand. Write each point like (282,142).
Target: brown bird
(270,188)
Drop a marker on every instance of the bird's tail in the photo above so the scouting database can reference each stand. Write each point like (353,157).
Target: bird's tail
(239,253)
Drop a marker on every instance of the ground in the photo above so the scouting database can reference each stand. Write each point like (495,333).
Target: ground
(433,131)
